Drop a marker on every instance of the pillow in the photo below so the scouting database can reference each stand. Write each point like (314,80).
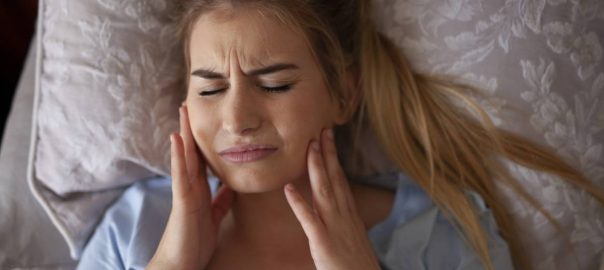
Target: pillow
(543,60)
(28,238)
(107,94)
(108,91)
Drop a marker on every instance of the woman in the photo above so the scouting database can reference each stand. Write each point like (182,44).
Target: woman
(268,83)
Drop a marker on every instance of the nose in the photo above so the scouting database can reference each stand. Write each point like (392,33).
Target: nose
(241,114)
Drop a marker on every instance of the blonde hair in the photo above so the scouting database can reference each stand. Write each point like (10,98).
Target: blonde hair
(446,150)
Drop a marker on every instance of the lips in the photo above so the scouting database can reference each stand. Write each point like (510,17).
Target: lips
(247,153)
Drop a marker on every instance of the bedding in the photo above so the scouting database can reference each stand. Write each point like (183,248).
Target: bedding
(107,93)
(541,65)
(28,239)
(105,104)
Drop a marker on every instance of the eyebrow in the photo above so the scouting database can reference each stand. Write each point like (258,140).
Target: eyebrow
(209,74)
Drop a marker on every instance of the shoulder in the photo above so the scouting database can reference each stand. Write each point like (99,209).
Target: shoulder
(151,198)
(152,187)
(373,203)
(417,235)
(388,198)
(131,228)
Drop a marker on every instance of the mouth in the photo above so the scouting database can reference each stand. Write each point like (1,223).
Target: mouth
(247,153)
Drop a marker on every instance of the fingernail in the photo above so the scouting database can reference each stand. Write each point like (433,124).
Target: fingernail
(171,138)
(315,145)
(289,187)
(330,133)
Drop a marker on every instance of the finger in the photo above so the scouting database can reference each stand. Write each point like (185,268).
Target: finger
(335,174)
(311,223)
(222,203)
(195,162)
(191,158)
(180,183)
(321,187)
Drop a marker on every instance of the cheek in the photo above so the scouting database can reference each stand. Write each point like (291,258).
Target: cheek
(201,127)
(302,118)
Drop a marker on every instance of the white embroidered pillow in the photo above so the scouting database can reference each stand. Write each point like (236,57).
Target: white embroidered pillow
(106,100)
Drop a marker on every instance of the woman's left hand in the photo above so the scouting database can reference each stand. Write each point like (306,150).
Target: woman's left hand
(336,234)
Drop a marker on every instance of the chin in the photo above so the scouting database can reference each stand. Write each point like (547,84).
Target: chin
(254,185)
(253,181)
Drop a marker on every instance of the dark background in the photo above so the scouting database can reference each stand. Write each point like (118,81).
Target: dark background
(17,24)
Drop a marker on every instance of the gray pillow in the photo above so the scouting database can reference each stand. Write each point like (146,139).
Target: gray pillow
(106,100)
(542,59)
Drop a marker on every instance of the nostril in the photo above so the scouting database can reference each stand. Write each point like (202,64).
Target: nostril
(247,130)
(242,129)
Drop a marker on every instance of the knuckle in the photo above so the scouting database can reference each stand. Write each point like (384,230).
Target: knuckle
(316,160)
(307,216)
(325,191)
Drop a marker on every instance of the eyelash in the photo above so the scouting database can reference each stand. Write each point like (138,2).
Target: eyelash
(276,89)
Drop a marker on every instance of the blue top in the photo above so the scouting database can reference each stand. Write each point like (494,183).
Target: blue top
(415,235)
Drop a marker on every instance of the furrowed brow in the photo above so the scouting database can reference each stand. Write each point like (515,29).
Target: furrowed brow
(212,75)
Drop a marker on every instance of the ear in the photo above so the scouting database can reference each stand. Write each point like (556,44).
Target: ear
(352,98)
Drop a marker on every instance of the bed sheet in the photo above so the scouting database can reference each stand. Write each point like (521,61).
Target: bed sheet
(28,239)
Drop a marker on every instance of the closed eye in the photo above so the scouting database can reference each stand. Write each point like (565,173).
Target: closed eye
(281,88)
(209,93)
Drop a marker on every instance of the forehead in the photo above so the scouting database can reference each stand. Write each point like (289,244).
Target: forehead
(252,35)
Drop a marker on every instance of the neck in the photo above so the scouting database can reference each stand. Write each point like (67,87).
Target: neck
(265,222)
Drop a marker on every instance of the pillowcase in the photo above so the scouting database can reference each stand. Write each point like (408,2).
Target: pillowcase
(108,89)
(542,60)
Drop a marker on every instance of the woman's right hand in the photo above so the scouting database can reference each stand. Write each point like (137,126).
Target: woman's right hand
(191,233)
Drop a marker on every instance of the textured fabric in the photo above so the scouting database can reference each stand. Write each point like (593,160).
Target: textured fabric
(541,64)
(107,95)
(106,103)
(27,237)
(414,236)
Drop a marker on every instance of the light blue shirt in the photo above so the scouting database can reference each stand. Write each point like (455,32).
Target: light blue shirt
(414,236)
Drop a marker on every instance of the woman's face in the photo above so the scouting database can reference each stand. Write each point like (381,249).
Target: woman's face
(233,62)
